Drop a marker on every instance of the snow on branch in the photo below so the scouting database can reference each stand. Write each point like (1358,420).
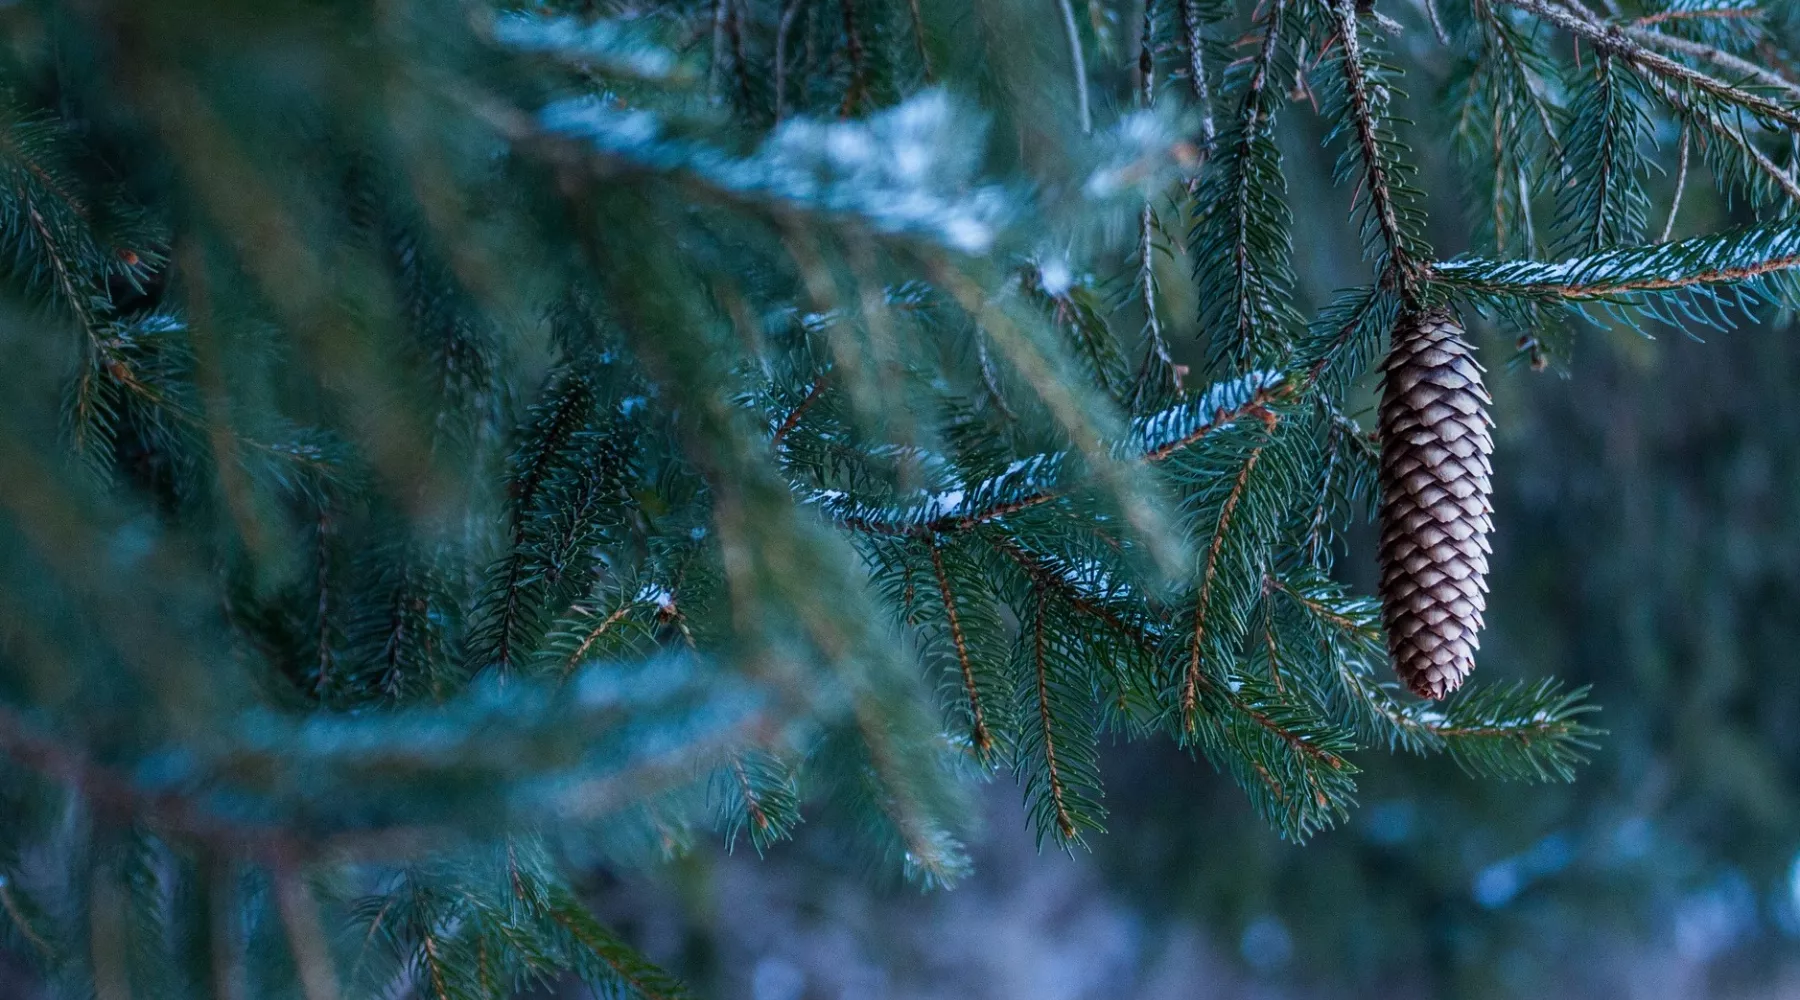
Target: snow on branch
(1042,478)
(1720,259)
(910,170)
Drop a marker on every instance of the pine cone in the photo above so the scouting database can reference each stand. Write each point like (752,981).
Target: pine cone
(1435,509)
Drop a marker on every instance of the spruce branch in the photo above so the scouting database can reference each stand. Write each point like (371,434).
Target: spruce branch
(1627,273)
(1053,782)
(1209,572)
(1240,242)
(1754,166)
(306,938)
(979,736)
(1616,41)
(1194,45)
(1745,70)
(1606,205)
(857,90)
(1384,194)
(1155,439)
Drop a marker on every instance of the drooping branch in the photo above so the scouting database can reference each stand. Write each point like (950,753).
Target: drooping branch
(1191,685)
(978,730)
(1401,269)
(1065,823)
(1194,42)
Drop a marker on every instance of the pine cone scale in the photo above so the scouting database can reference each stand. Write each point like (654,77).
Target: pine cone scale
(1435,513)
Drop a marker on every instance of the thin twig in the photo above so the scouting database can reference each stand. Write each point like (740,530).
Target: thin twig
(1078,64)
(1065,824)
(1156,348)
(853,44)
(1195,43)
(1190,690)
(1681,172)
(799,410)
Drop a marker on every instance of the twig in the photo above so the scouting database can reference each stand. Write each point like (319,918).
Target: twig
(853,43)
(1717,56)
(1681,172)
(1065,824)
(1078,65)
(1196,71)
(978,731)
(1190,691)
(799,410)
(1157,347)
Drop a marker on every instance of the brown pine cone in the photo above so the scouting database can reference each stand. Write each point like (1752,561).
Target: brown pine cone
(1435,509)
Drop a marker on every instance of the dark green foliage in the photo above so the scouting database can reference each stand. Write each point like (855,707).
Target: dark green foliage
(1241,247)
(446,452)
(1606,205)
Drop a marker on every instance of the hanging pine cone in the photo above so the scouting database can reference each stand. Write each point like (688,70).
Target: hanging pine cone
(1435,509)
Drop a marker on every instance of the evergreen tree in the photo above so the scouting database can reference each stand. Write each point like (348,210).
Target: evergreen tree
(448,447)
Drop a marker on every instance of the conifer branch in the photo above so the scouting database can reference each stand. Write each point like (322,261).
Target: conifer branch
(322,571)
(1744,68)
(1615,41)
(918,32)
(111,794)
(787,424)
(1157,362)
(1673,14)
(593,635)
(1190,690)
(978,735)
(306,939)
(1194,42)
(22,922)
(1693,263)
(1195,421)
(857,90)
(1695,114)
(783,26)
(1065,824)
(1378,186)
(1255,220)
